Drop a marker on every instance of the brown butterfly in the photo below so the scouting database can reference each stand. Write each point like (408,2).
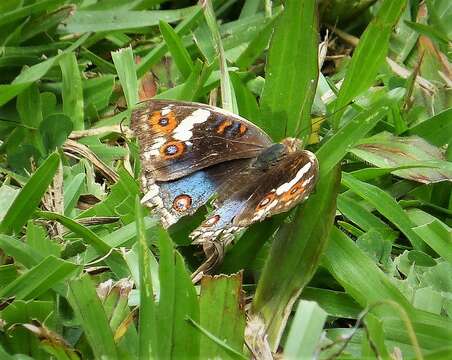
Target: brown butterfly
(191,153)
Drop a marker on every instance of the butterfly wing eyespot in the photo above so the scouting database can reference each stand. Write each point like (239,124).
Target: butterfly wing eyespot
(223,126)
(172,149)
(163,123)
(182,202)
(265,201)
(211,221)
(242,129)
(294,192)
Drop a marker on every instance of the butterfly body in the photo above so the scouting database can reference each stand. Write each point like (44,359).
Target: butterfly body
(192,153)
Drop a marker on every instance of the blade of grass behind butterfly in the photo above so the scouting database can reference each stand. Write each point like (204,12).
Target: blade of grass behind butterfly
(227,91)
(159,51)
(188,90)
(72,90)
(295,253)
(125,67)
(33,73)
(369,55)
(291,71)
(179,53)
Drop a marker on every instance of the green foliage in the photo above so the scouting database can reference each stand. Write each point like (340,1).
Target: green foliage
(361,270)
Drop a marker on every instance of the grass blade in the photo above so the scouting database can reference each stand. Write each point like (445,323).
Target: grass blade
(305,331)
(337,146)
(358,274)
(114,260)
(292,71)
(222,314)
(228,100)
(146,325)
(113,20)
(72,90)
(125,67)
(90,312)
(30,196)
(177,339)
(178,52)
(369,55)
(386,205)
(39,278)
(295,252)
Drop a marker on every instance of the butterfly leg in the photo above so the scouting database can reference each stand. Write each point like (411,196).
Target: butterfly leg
(214,255)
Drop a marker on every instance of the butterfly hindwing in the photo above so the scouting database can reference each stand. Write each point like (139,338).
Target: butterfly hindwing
(274,189)
(179,138)
(175,199)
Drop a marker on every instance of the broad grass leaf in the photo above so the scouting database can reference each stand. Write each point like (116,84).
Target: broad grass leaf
(91,314)
(291,71)
(40,278)
(30,196)
(386,205)
(387,150)
(222,314)
(305,331)
(369,55)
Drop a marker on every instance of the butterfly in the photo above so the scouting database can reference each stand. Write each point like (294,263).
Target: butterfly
(192,154)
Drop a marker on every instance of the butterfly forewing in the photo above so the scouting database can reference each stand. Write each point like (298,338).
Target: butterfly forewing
(179,138)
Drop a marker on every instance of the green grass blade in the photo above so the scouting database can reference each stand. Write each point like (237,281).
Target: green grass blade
(256,46)
(295,252)
(221,314)
(113,20)
(437,237)
(159,51)
(146,326)
(385,205)
(114,260)
(437,130)
(22,252)
(228,100)
(90,312)
(369,55)
(33,73)
(358,274)
(25,11)
(125,67)
(177,339)
(305,331)
(178,52)
(337,146)
(292,71)
(39,278)
(30,196)
(72,192)
(72,90)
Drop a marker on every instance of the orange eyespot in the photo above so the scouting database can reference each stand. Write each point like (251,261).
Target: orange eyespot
(162,123)
(182,203)
(211,221)
(243,129)
(172,149)
(265,201)
(223,126)
(294,191)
